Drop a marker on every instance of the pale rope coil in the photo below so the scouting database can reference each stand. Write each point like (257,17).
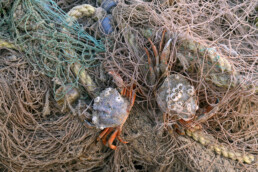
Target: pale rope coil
(80,11)
(220,149)
(74,14)
(4,44)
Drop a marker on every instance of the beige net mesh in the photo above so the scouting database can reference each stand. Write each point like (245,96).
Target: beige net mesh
(35,135)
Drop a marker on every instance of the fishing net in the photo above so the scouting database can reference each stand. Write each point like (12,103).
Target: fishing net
(34,133)
(52,41)
(37,135)
(202,31)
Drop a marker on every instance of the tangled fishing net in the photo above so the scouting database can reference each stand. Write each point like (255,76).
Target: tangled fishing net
(52,41)
(228,30)
(42,45)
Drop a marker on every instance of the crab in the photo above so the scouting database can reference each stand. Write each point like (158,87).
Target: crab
(174,94)
(177,96)
(109,112)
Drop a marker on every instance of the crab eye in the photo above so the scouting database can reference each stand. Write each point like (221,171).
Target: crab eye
(177,76)
(119,99)
(97,99)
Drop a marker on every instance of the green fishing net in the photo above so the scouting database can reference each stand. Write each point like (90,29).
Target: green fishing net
(50,39)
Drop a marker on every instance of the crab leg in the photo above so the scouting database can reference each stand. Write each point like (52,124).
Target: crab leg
(155,51)
(162,41)
(117,78)
(151,69)
(104,139)
(118,136)
(132,98)
(128,93)
(209,113)
(123,92)
(152,74)
(164,56)
(191,125)
(102,134)
(111,139)
(178,129)
(131,93)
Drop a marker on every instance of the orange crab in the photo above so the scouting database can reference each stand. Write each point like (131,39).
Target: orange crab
(110,108)
(110,111)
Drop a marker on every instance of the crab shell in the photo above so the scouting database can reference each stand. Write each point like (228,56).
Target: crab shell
(110,109)
(177,96)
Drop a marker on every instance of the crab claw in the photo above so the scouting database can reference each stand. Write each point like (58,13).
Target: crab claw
(152,75)
(210,112)
(117,79)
